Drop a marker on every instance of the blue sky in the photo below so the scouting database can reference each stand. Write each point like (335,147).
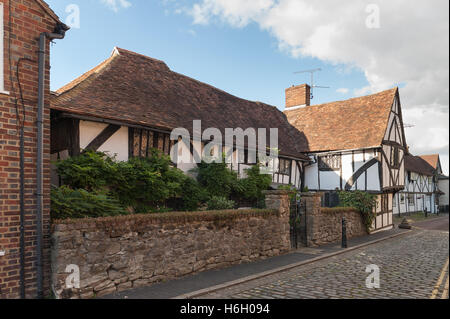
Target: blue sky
(251,48)
(244,62)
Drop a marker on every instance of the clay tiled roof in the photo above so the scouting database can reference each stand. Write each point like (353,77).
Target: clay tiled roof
(433,160)
(417,164)
(136,89)
(352,124)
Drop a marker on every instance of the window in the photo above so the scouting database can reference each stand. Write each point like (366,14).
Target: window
(413,176)
(330,163)
(285,167)
(411,199)
(402,199)
(395,157)
(2,55)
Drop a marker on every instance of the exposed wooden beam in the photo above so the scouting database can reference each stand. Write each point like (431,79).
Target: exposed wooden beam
(362,170)
(105,135)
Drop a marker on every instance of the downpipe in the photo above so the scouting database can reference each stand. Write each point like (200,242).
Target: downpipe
(58,34)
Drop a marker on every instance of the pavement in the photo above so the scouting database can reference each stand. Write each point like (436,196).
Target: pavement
(191,286)
(438,223)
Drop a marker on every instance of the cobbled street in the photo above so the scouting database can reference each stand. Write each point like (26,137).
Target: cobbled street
(411,266)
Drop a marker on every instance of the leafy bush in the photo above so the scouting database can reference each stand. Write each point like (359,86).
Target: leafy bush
(362,201)
(220,203)
(146,183)
(192,195)
(143,184)
(89,171)
(251,188)
(68,203)
(217,178)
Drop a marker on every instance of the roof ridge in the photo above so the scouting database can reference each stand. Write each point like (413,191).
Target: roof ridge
(79,80)
(350,99)
(121,50)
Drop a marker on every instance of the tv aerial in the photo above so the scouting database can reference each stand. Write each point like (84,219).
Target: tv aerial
(312,80)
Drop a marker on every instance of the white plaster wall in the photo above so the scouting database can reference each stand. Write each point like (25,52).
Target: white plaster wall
(311,180)
(444,186)
(330,180)
(116,145)
(373,179)
(347,168)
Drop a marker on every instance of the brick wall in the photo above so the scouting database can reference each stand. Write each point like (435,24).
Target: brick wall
(28,20)
(121,253)
(298,95)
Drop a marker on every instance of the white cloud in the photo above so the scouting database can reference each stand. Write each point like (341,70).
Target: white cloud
(343,90)
(115,5)
(410,49)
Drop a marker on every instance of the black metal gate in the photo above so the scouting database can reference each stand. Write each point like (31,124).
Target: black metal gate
(297,222)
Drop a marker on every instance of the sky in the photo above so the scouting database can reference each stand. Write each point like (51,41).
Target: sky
(252,49)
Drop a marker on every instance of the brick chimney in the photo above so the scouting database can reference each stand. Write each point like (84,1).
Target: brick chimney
(298,96)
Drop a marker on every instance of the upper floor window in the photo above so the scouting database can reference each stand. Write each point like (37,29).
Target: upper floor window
(285,167)
(2,55)
(413,176)
(330,163)
(411,200)
(395,157)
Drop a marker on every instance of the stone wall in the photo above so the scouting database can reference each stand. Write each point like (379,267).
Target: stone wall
(324,225)
(121,253)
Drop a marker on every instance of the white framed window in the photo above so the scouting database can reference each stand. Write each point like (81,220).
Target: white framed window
(2,49)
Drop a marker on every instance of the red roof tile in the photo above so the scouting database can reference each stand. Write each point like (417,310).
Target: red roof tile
(136,89)
(352,124)
(433,160)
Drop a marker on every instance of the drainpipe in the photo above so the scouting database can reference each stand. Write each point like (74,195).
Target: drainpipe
(59,33)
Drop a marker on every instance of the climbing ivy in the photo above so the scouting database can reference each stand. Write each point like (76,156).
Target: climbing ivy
(362,201)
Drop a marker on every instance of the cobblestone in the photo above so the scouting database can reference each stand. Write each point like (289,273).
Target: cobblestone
(410,267)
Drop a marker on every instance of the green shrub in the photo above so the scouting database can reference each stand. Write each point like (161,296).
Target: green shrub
(146,183)
(79,203)
(220,203)
(217,178)
(192,195)
(254,184)
(90,171)
(362,201)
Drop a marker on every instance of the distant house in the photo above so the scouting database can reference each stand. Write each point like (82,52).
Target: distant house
(130,103)
(421,191)
(443,198)
(357,144)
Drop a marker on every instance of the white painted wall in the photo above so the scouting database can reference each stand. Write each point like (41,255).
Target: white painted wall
(330,180)
(444,186)
(116,145)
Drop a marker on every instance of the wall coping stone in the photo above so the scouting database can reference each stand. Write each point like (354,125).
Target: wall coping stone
(278,192)
(162,218)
